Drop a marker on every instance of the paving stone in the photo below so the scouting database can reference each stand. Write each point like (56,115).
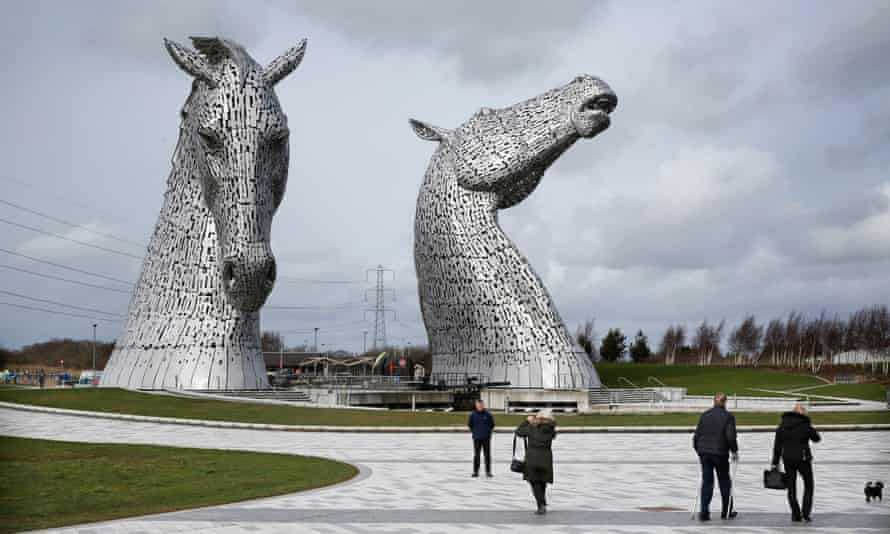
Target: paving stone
(421,482)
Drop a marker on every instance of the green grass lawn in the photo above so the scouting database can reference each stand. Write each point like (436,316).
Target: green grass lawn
(704,380)
(54,483)
(876,392)
(133,402)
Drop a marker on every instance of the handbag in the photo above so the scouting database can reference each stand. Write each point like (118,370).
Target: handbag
(517,465)
(774,479)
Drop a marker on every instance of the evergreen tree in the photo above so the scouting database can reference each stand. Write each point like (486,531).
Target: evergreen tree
(614,345)
(640,350)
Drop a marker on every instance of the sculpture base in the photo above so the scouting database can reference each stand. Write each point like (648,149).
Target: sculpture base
(520,399)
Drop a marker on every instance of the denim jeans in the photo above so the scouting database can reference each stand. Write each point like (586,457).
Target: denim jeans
(709,464)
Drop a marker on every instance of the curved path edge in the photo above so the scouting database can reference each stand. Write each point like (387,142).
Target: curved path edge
(403,429)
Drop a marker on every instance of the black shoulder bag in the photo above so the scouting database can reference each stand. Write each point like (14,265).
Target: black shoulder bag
(517,465)
(774,479)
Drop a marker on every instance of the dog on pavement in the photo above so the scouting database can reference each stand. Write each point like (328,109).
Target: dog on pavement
(874,490)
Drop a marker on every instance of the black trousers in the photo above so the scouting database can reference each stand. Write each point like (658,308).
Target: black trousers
(482,445)
(539,490)
(805,468)
(720,464)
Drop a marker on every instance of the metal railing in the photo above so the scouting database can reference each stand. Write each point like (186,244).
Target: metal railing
(626,381)
(358,382)
(610,396)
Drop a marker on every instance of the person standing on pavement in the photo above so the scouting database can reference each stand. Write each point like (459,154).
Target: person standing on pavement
(481,424)
(792,443)
(714,440)
(541,431)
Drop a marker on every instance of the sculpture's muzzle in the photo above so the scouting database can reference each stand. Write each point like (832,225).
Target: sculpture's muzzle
(248,278)
(591,116)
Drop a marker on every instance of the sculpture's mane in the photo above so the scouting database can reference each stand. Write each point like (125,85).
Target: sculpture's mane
(216,50)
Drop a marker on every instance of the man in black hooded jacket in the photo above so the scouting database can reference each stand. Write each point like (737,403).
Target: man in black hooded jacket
(714,440)
(793,444)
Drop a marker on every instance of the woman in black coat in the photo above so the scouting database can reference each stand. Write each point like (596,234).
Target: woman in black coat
(540,431)
(793,444)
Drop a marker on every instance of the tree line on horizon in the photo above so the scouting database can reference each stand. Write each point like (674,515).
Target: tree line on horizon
(75,353)
(793,341)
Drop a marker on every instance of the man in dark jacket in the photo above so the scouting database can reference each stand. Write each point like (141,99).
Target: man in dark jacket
(481,424)
(793,444)
(714,440)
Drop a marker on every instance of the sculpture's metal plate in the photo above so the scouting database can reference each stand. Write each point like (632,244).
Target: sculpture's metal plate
(194,315)
(486,311)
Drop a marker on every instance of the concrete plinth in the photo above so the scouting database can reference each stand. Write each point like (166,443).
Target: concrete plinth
(509,399)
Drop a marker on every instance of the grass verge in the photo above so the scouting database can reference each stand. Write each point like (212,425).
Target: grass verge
(54,483)
(136,403)
(703,380)
(875,392)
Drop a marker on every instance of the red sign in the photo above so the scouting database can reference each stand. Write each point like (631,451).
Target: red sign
(403,362)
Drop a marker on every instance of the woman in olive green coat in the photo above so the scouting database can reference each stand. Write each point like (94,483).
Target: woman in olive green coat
(541,431)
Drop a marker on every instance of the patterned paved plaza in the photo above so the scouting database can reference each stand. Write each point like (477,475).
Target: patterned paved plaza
(420,483)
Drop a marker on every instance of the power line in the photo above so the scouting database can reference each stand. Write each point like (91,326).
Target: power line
(314,281)
(47,301)
(317,307)
(342,328)
(34,308)
(74,225)
(51,277)
(68,267)
(408,326)
(84,243)
(67,199)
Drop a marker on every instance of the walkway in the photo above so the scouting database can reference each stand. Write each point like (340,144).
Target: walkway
(419,483)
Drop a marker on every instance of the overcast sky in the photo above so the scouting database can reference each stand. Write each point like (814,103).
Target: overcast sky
(746,169)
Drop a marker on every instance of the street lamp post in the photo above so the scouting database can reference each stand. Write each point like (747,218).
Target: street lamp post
(315,343)
(94,346)
(365,343)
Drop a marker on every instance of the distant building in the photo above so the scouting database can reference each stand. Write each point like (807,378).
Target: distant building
(859,357)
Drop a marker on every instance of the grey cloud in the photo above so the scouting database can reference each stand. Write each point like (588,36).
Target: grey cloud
(132,30)
(94,118)
(488,41)
(850,53)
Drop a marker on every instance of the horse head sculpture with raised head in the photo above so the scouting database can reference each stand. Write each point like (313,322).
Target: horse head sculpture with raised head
(238,145)
(486,311)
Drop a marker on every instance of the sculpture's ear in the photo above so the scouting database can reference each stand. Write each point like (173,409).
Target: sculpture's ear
(428,132)
(285,63)
(190,61)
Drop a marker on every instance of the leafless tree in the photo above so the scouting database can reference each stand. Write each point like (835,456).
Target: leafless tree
(271,341)
(672,341)
(744,340)
(774,339)
(586,338)
(706,341)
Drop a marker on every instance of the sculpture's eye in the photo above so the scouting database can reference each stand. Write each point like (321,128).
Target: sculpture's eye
(211,141)
(605,103)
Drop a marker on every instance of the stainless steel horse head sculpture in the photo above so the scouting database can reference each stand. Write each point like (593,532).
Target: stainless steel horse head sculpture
(194,315)
(486,311)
